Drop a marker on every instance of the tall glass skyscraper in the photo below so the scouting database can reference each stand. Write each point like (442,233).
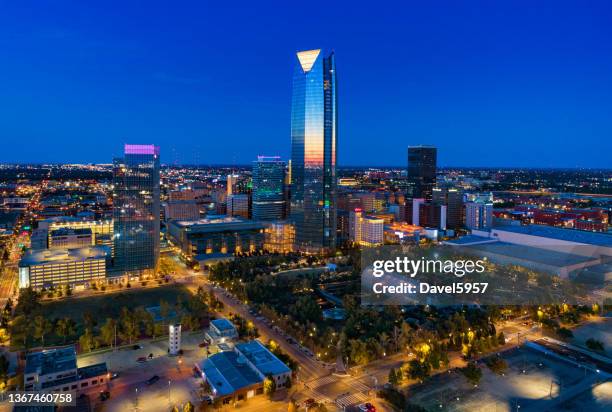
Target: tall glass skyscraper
(422,171)
(268,183)
(136,210)
(314,134)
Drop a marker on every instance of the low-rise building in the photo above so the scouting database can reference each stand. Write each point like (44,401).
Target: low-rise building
(239,374)
(55,370)
(221,331)
(56,267)
(69,238)
(218,234)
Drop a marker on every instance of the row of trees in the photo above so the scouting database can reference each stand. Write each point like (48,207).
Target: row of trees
(30,326)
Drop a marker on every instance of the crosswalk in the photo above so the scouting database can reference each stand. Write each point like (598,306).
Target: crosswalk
(358,386)
(317,383)
(351,399)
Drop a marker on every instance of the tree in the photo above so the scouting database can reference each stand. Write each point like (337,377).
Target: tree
(595,344)
(107,332)
(86,341)
(64,328)
(269,386)
(28,303)
(188,407)
(4,369)
(564,333)
(42,327)
(418,370)
(501,338)
(497,365)
(306,309)
(21,329)
(472,373)
(129,327)
(393,378)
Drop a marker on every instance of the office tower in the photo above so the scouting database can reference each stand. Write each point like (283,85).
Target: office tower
(415,211)
(314,133)
(365,230)
(182,210)
(268,185)
(136,210)
(238,205)
(422,171)
(452,198)
(279,237)
(232,181)
(478,215)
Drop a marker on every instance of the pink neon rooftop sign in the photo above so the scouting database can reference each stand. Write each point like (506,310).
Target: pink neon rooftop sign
(141,149)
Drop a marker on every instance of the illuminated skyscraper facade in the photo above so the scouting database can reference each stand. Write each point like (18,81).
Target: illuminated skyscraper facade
(268,185)
(136,210)
(314,133)
(422,171)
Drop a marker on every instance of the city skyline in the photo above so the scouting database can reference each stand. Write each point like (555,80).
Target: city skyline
(509,96)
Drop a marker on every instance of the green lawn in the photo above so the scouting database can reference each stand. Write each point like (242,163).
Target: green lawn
(109,305)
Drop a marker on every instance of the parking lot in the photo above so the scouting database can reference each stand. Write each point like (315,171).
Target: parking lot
(136,388)
(533,381)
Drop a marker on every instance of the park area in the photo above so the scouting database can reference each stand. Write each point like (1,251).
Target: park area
(108,319)
(110,305)
(532,382)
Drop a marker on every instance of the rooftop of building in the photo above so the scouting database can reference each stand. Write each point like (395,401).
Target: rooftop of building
(67,231)
(528,253)
(470,240)
(51,361)
(94,370)
(569,235)
(222,324)
(47,256)
(262,358)
(227,372)
(216,223)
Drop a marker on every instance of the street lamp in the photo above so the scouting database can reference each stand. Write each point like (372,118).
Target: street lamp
(169,391)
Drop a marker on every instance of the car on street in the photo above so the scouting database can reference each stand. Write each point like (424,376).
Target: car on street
(367,407)
(115,375)
(152,380)
(136,347)
(309,403)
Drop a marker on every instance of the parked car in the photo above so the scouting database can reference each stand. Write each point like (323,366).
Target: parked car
(152,380)
(367,407)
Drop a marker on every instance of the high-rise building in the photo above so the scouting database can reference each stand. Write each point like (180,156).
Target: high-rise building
(136,210)
(279,237)
(232,181)
(268,184)
(422,171)
(365,230)
(478,215)
(238,205)
(452,198)
(314,134)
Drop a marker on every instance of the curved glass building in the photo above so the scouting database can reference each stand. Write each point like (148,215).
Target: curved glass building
(314,134)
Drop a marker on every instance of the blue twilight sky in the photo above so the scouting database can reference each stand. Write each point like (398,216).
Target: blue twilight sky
(491,83)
